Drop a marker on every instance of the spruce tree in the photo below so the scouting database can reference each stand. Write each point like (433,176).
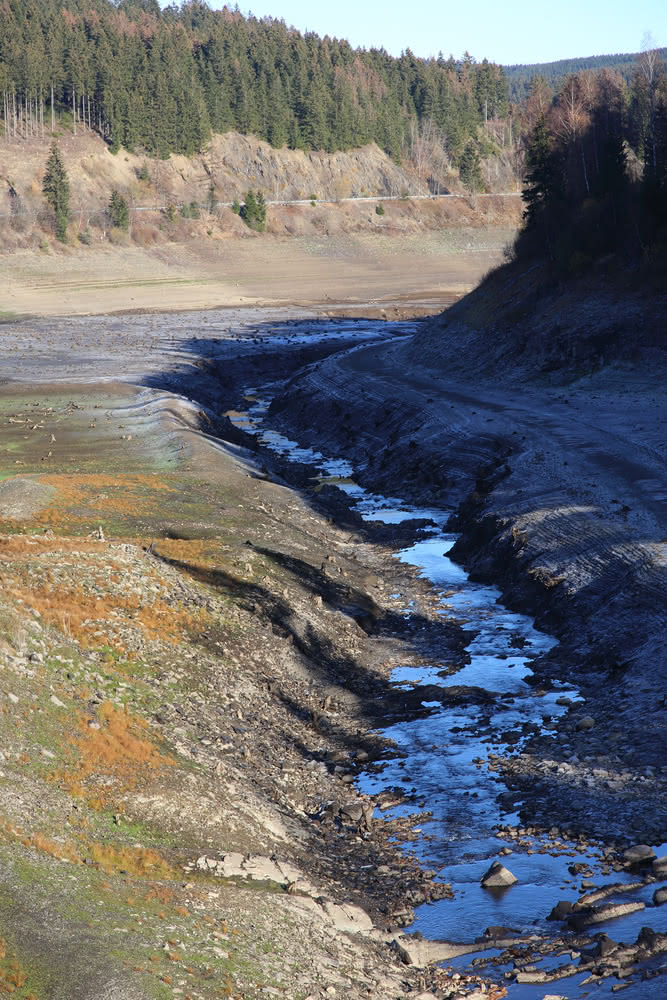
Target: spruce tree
(469,168)
(55,188)
(118,211)
(253,211)
(541,183)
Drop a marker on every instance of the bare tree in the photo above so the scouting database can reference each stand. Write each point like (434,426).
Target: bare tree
(650,67)
(428,151)
(571,119)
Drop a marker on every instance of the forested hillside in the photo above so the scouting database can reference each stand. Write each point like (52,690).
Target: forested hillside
(520,76)
(597,168)
(165,80)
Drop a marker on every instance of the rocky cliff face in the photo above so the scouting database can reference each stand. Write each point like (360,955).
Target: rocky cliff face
(232,163)
(230,166)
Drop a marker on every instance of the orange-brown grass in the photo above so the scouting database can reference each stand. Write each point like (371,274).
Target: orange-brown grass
(123,494)
(12,975)
(190,551)
(162,894)
(42,843)
(17,546)
(63,852)
(142,862)
(194,557)
(81,615)
(118,750)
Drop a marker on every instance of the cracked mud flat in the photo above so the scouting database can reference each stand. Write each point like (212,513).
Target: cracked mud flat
(262,693)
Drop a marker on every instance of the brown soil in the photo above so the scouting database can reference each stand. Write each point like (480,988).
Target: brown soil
(405,273)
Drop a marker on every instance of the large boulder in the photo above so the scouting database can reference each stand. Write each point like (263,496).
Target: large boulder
(497,877)
(639,854)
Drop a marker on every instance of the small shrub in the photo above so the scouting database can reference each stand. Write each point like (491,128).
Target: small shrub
(185,211)
(194,210)
(236,206)
(379,209)
(85,237)
(211,199)
(509,252)
(119,237)
(44,245)
(313,198)
(170,212)
(142,173)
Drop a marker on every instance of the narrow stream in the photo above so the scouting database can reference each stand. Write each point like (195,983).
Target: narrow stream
(449,756)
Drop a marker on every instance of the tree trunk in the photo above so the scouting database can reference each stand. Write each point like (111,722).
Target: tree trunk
(583,163)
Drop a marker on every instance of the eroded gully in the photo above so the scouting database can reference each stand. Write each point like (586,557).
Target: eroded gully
(450,760)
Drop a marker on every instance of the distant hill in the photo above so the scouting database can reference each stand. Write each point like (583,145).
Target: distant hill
(520,76)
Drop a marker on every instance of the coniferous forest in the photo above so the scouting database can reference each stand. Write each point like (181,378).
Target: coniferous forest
(164,80)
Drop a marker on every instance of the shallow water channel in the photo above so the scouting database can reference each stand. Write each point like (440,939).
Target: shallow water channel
(448,765)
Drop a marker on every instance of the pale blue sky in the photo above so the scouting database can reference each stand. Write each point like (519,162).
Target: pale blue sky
(504,31)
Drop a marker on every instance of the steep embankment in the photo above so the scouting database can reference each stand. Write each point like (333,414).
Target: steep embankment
(537,417)
(230,166)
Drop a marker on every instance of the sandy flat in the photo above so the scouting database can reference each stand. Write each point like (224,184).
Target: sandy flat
(428,270)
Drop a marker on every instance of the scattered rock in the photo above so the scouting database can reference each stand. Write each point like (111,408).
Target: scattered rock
(639,854)
(589,916)
(497,877)
(561,910)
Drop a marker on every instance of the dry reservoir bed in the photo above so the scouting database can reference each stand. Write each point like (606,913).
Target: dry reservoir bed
(194,670)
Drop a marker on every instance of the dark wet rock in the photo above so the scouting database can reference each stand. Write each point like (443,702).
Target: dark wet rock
(497,877)
(659,866)
(604,946)
(649,941)
(496,932)
(579,868)
(583,725)
(660,896)
(561,910)
(455,694)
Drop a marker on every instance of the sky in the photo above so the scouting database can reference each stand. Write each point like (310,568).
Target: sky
(503,31)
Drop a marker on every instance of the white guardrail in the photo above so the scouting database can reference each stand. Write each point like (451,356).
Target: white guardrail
(337,201)
(318,201)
